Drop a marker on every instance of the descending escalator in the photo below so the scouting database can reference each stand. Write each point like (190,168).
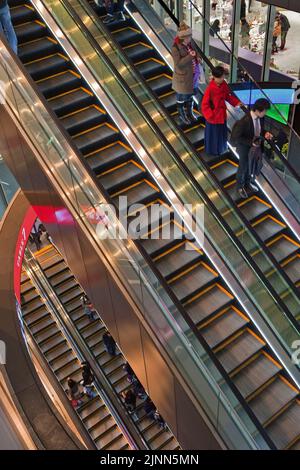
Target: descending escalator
(265,219)
(64,362)
(208,302)
(69,293)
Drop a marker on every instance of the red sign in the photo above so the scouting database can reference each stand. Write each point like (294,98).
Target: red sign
(23,236)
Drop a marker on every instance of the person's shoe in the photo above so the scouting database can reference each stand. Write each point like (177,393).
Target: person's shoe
(121,16)
(109,19)
(242,193)
(252,187)
(183,118)
(190,111)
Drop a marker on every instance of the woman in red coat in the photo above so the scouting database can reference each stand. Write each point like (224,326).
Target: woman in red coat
(215,112)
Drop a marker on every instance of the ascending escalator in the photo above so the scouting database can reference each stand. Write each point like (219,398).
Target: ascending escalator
(234,341)
(62,361)
(265,220)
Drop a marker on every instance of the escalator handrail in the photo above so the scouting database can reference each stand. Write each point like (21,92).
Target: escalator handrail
(283,160)
(102,385)
(183,167)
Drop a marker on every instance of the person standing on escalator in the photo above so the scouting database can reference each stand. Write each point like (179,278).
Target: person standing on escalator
(188,72)
(6,26)
(113,15)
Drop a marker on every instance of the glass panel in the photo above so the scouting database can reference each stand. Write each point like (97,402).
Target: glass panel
(8,186)
(286,57)
(83,198)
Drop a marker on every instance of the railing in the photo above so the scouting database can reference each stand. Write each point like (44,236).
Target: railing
(156,310)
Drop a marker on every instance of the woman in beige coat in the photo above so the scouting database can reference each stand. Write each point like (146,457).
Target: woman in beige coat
(188,72)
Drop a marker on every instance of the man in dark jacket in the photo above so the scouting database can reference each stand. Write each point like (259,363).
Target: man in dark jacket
(6,26)
(285,26)
(243,133)
(109,343)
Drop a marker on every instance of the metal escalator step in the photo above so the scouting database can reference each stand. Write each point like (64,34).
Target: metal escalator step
(22,14)
(159,439)
(282,247)
(118,443)
(92,406)
(160,84)
(94,328)
(29,295)
(152,432)
(122,176)
(68,369)
(208,303)
(54,352)
(171,444)
(164,240)
(195,134)
(65,286)
(286,428)
(295,446)
(54,267)
(156,221)
(253,208)
(105,432)
(151,68)
(255,374)
(70,295)
(97,137)
(272,399)
(59,83)
(138,51)
(192,282)
(268,227)
(239,350)
(31,306)
(141,193)
(125,36)
(53,344)
(46,66)
(169,101)
(45,322)
(60,277)
(71,101)
(97,418)
(113,154)
(29,31)
(292,269)
(178,259)
(45,334)
(224,171)
(37,49)
(223,326)
(114,364)
(83,119)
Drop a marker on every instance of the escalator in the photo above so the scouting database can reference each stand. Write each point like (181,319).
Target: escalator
(69,293)
(64,362)
(235,342)
(262,216)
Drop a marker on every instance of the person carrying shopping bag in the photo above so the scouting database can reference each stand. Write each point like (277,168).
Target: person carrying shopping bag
(188,72)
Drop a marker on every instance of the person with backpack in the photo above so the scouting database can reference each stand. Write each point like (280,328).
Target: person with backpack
(188,73)
(243,136)
(6,26)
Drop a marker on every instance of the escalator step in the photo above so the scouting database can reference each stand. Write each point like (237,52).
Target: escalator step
(29,31)
(138,51)
(161,84)
(286,428)
(283,247)
(126,36)
(103,134)
(37,49)
(169,101)
(223,326)
(208,303)
(59,83)
(122,176)
(155,247)
(71,101)
(268,227)
(292,269)
(224,171)
(272,399)
(195,135)
(151,68)
(178,259)
(239,350)
(22,13)
(254,375)
(46,66)
(83,119)
(140,193)
(113,154)
(253,208)
(190,283)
